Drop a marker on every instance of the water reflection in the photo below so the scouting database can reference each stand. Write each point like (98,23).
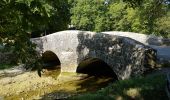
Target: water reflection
(52,85)
(73,84)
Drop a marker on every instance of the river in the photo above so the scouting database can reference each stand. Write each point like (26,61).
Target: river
(51,85)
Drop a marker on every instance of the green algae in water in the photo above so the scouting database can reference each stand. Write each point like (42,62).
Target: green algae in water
(67,84)
(54,73)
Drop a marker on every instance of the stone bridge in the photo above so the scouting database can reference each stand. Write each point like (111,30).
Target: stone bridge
(126,57)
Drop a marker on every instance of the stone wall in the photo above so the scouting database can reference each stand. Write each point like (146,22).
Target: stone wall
(126,57)
(143,38)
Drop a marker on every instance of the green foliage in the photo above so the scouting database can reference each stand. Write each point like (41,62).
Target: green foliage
(141,16)
(163,26)
(150,88)
(5,66)
(90,96)
(134,3)
(140,88)
(21,19)
(89,15)
(119,17)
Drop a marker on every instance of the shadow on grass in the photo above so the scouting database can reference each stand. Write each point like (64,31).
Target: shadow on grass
(6,66)
(58,95)
(148,88)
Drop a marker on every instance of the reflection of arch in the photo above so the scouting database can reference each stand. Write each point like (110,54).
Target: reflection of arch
(50,60)
(96,67)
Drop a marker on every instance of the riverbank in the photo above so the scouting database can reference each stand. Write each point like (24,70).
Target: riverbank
(13,71)
(149,87)
(57,85)
(52,85)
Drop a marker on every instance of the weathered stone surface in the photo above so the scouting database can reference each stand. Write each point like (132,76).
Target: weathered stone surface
(143,38)
(162,45)
(125,56)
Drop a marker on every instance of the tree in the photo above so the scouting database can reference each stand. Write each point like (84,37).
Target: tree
(133,3)
(163,26)
(19,19)
(122,15)
(90,15)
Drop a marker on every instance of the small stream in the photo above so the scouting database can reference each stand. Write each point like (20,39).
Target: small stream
(52,85)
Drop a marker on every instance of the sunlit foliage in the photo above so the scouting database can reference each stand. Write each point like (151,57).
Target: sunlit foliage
(139,16)
(22,19)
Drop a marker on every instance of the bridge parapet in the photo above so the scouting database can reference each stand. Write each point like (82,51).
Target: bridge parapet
(125,56)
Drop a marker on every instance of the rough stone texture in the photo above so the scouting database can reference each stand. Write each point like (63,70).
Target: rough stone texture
(143,38)
(162,45)
(125,56)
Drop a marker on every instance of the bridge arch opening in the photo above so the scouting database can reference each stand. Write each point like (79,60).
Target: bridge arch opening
(95,67)
(50,61)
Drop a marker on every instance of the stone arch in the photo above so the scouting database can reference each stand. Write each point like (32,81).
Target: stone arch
(96,67)
(50,61)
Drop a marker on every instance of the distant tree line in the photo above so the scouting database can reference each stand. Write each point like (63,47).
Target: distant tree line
(22,19)
(141,16)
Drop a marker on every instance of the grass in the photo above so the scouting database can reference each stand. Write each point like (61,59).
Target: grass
(166,65)
(6,66)
(140,88)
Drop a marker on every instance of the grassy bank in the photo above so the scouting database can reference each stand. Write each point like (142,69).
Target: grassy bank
(141,88)
(6,66)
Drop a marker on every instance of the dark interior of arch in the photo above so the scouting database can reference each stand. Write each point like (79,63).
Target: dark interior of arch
(50,60)
(95,67)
